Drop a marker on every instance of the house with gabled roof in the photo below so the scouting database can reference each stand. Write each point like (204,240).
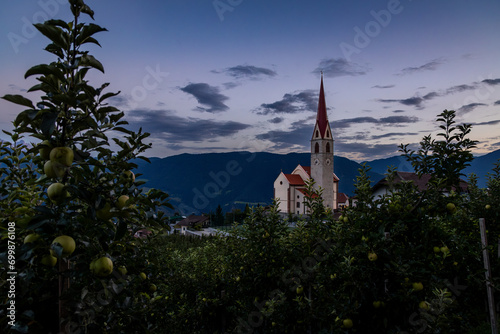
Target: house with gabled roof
(342,200)
(382,187)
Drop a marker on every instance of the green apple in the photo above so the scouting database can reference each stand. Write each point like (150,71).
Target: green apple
(346,219)
(48,260)
(451,207)
(423,305)
(67,243)
(129,175)
(445,250)
(437,249)
(122,270)
(372,256)
(299,289)
(377,304)
(487,206)
(31,238)
(62,155)
(104,213)
(152,287)
(417,286)
(102,267)
(54,169)
(143,276)
(347,323)
(22,216)
(56,192)
(237,279)
(44,149)
(122,201)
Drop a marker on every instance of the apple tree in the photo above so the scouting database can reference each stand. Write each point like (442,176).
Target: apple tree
(75,180)
(411,258)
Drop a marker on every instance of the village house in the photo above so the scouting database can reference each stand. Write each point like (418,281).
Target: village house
(382,187)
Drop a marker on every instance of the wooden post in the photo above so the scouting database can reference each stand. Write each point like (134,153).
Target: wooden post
(489,287)
(223,312)
(63,286)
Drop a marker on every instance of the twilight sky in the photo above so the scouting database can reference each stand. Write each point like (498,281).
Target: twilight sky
(227,75)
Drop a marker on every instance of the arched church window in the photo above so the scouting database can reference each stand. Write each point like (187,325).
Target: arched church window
(317,133)
(316,148)
(327,134)
(327,147)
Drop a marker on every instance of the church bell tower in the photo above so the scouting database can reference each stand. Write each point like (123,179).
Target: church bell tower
(322,153)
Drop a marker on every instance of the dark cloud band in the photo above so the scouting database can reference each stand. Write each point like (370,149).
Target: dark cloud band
(208,96)
(166,125)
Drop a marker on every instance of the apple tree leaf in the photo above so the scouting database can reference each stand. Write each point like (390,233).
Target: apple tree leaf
(89,60)
(48,124)
(19,99)
(54,33)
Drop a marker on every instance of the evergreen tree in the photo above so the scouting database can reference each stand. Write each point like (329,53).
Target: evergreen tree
(219,216)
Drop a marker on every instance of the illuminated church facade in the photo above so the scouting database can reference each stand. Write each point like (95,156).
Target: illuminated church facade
(290,189)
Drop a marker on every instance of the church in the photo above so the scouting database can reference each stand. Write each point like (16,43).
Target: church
(290,189)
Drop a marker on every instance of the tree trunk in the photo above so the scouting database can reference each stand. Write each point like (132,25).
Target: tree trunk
(63,287)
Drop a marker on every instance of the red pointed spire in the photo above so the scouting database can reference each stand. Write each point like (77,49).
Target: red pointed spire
(322,118)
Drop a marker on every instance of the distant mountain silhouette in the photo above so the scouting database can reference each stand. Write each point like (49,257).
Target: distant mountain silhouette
(481,166)
(381,166)
(200,182)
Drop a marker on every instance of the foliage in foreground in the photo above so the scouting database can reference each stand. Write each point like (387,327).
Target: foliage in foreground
(388,266)
(409,261)
(69,184)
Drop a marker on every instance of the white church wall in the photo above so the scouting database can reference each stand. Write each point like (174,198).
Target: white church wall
(281,186)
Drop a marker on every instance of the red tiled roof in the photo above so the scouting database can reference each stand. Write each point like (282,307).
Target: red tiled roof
(420,182)
(142,233)
(342,198)
(192,220)
(294,179)
(304,191)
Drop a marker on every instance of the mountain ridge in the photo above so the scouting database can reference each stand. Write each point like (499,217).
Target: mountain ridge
(481,166)
(198,183)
